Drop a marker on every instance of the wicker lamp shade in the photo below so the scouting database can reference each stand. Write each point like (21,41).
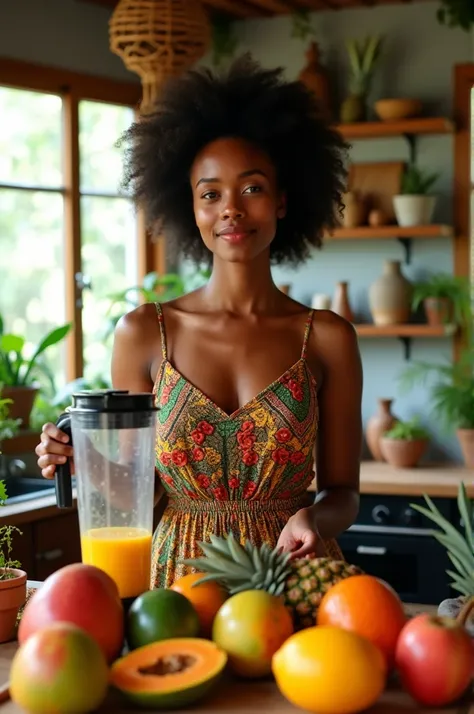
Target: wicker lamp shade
(158,39)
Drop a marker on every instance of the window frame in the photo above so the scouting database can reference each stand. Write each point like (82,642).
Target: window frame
(74,87)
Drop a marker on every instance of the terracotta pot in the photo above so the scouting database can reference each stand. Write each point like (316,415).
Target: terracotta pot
(438,311)
(466,442)
(314,75)
(390,296)
(377,425)
(23,400)
(403,453)
(340,302)
(12,597)
(354,213)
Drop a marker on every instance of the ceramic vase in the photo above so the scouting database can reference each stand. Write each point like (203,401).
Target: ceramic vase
(340,302)
(390,296)
(377,425)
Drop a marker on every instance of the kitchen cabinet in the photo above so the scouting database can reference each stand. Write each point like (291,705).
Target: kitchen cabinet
(47,544)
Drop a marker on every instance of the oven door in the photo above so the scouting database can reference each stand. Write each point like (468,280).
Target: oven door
(415,565)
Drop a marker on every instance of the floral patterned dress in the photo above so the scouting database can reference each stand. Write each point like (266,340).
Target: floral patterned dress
(247,472)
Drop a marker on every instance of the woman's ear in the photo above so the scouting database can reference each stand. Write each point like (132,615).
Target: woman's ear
(281,207)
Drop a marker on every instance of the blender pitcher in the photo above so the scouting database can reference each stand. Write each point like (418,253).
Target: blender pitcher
(113,435)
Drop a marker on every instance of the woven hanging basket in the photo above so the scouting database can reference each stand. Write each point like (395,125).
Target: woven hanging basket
(158,39)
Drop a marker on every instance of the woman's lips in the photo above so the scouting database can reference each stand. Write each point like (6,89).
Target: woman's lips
(235,236)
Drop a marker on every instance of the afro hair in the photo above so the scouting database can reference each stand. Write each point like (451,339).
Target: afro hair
(281,117)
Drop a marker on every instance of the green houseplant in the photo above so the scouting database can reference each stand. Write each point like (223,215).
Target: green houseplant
(12,578)
(19,373)
(456,13)
(445,298)
(414,206)
(452,395)
(363,57)
(404,444)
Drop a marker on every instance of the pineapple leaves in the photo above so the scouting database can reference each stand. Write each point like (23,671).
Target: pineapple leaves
(459,548)
(465,511)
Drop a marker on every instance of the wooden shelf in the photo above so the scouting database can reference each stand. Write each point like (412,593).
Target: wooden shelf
(409,330)
(390,232)
(380,129)
(405,333)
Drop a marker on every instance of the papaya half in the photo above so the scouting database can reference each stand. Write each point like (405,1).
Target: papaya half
(169,674)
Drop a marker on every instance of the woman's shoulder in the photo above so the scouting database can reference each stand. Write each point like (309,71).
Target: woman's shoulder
(332,335)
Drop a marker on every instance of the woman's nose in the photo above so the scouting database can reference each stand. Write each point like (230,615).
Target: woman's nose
(232,210)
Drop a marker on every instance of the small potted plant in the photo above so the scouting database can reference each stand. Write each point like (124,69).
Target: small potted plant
(18,373)
(445,299)
(414,206)
(12,579)
(404,444)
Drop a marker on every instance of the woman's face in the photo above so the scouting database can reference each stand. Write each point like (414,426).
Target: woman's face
(236,199)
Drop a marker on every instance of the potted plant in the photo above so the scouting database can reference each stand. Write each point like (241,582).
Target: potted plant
(18,373)
(404,444)
(452,394)
(12,579)
(363,59)
(414,206)
(8,426)
(459,546)
(445,299)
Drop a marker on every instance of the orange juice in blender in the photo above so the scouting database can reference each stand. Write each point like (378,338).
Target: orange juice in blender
(113,438)
(124,553)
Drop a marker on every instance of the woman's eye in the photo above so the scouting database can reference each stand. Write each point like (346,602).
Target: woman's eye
(209,195)
(252,189)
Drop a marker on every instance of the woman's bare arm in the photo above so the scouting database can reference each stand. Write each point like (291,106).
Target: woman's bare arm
(339,445)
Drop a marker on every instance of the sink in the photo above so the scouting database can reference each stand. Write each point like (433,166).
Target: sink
(24,488)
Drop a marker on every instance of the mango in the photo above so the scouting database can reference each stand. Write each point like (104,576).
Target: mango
(60,668)
(84,596)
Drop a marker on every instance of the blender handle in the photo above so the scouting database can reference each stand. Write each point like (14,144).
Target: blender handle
(63,483)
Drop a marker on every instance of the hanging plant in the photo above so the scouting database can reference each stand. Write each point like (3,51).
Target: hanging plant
(301,24)
(224,39)
(457,13)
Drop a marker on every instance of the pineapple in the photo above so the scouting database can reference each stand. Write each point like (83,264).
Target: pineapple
(460,551)
(301,582)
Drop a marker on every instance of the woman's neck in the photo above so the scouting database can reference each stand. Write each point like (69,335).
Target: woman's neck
(242,288)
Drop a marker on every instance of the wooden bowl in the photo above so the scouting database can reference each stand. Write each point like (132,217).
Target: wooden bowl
(396,109)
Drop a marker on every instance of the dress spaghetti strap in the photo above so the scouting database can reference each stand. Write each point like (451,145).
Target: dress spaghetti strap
(161,322)
(306,334)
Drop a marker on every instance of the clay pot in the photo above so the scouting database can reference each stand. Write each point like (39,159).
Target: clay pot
(403,453)
(340,302)
(377,425)
(390,296)
(377,217)
(438,311)
(23,399)
(466,442)
(12,597)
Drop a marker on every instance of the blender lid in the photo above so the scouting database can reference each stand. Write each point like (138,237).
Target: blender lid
(112,400)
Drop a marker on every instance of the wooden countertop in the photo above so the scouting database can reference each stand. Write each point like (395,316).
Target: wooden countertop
(375,478)
(235,697)
(433,480)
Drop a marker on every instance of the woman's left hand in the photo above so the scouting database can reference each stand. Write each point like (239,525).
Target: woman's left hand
(300,535)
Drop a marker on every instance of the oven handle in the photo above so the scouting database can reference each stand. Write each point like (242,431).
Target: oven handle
(370,550)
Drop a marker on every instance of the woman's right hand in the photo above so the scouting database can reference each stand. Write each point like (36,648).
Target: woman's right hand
(53,449)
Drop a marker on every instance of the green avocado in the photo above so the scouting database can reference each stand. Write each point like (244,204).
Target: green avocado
(160,614)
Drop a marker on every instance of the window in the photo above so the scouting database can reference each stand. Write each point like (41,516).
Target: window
(32,276)
(70,238)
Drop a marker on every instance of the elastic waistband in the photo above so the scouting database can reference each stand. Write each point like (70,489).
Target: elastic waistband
(272,505)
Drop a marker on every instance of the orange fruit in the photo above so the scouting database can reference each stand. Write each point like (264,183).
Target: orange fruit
(368,606)
(207,598)
(329,671)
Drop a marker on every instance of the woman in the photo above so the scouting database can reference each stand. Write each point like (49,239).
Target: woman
(241,170)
